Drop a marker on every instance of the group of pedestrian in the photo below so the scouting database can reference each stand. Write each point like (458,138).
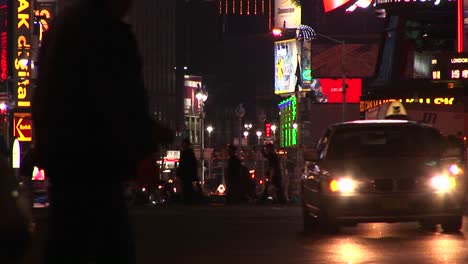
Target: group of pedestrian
(241,188)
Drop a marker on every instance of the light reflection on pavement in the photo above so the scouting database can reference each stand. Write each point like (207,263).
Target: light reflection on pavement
(388,243)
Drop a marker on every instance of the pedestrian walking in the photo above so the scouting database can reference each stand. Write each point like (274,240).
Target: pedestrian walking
(187,173)
(275,173)
(92,127)
(237,178)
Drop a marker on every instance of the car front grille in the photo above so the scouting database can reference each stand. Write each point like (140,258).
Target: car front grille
(384,185)
(391,185)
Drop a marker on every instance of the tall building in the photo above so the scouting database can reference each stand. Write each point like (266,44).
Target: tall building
(154,23)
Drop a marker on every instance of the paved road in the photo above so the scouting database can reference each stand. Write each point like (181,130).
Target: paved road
(269,234)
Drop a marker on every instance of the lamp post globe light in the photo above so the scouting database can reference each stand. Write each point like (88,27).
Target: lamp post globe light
(202,95)
(209,129)
(273,129)
(248,126)
(259,135)
(246,134)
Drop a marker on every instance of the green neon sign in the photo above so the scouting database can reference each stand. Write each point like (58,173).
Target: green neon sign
(307,75)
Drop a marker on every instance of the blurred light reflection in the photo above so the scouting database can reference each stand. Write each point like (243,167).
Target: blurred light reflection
(350,252)
(445,250)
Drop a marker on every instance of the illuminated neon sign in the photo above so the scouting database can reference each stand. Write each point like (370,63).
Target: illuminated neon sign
(288,117)
(413,3)
(23,34)
(43,14)
(368,104)
(4,42)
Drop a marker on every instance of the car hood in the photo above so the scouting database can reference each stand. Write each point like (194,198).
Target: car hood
(382,168)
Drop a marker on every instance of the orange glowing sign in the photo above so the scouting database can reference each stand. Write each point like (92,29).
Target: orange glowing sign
(22,127)
(23,46)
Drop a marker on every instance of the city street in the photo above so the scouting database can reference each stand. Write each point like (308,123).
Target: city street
(270,234)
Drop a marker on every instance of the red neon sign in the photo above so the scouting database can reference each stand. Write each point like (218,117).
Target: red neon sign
(267,130)
(330,5)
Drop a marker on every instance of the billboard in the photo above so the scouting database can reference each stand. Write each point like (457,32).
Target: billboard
(22,39)
(292,66)
(330,90)
(191,104)
(452,66)
(463,35)
(287,13)
(3,40)
(399,5)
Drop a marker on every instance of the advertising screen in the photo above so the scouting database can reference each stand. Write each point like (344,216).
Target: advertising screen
(292,66)
(287,13)
(330,90)
(286,62)
(450,66)
(3,40)
(398,5)
(465,26)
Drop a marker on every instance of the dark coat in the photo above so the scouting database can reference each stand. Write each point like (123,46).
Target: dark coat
(187,170)
(90,106)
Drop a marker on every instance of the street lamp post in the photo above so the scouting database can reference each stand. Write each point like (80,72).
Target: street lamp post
(240,112)
(202,95)
(209,129)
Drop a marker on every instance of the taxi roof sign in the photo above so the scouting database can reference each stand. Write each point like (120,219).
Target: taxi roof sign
(388,110)
(395,108)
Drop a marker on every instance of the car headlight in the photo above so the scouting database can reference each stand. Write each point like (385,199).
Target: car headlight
(454,169)
(443,183)
(345,185)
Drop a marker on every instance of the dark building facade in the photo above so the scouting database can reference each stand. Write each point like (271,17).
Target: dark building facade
(154,24)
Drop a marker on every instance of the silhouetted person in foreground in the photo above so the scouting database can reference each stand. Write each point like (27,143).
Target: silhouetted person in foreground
(92,128)
(187,173)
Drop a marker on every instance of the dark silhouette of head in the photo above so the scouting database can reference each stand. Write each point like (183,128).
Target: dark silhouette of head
(186,143)
(231,150)
(117,8)
(270,148)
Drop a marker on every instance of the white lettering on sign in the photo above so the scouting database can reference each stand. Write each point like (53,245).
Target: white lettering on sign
(459,60)
(435,2)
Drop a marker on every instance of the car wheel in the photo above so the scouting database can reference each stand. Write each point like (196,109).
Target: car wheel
(452,224)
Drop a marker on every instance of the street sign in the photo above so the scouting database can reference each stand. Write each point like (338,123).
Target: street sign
(22,127)
(173,154)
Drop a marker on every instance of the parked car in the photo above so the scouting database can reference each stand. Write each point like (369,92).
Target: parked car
(383,171)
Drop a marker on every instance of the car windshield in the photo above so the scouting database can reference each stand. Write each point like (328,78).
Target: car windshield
(384,141)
